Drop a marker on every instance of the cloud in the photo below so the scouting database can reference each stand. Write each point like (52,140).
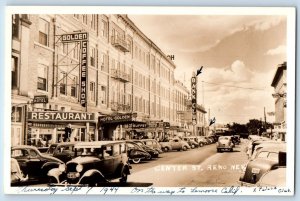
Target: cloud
(278,50)
(267,23)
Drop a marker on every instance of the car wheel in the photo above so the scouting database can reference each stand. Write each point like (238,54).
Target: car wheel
(184,148)
(201,144)
(52,180)
(193,146)
(136,160)
(166,149)
(124,176)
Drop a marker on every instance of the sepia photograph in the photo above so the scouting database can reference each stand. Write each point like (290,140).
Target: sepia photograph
(150,100)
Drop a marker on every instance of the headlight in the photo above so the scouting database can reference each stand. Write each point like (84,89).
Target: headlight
(79,168)
(62,167)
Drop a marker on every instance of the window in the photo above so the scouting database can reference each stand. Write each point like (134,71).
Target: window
(43,32)
(94,22)
(104,29)
(74,87)
(116,149)
(76,51)
(76,16)
(92,91)
(15,26)
(103,95)
(84,18)
(65,48)
(63,83)
(14,72)
(93,56)
(42,77)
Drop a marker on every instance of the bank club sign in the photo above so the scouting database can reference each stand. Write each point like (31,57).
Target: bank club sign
(194,99)
(83,39)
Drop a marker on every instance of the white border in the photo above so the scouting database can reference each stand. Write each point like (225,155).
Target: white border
(291,31)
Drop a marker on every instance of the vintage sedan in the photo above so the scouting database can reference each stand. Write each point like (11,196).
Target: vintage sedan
(17,177)
(64,151)
(201,141)
(175,144)
(224,143)
(153,153)
(152,144)
(191,141)
(34,164)
(136,153)
(266,159)
(95,163)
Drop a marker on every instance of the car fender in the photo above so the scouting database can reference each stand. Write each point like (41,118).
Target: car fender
(50,165)
(55,173)
(91,173)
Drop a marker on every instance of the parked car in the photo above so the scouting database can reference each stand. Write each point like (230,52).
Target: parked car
(190,140)
(266,159)
(33,163)
(202,141)
(64,151)
(276,177)
(153,153)
(95,163)
(224,143)
(136,153)
(17,177)
(175,144)
(152,144)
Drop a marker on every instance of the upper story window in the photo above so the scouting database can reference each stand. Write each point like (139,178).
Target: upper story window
(15,26)
(93,57)
(42,77)
(14,72)
(92,91)
(84,19)
(94,22)
(74,87)
(76,16)
(63,83)
(104,29)
(43,32)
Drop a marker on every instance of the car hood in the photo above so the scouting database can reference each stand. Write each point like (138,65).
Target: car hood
(84,159)
(51,158)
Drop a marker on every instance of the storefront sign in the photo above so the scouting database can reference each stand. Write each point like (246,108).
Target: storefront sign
(60,116)
(136,125)
(73,37)
(40,99)
(83,73)
(116,118)
(194,99)
(83,39)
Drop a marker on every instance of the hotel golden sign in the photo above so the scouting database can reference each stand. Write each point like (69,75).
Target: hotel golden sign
(60,116)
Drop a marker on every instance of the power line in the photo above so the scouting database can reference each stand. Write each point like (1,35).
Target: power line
(250,88)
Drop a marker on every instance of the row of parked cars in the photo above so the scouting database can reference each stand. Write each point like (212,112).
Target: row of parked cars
(89,163)
(267,163)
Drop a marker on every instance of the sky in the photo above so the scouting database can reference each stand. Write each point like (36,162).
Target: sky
(239,55)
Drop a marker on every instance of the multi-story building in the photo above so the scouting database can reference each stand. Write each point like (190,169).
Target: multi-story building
(126,73)
(279,84)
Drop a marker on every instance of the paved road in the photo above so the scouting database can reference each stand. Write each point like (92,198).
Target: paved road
(198,167)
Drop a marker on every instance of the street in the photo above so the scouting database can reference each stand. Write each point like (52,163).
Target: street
(197,167)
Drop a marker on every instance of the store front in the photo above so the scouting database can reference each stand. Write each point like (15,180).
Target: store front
(44,128)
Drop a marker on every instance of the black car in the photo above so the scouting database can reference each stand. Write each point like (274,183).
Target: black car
(154,153)
(95,164)
(34,164)
(135,152)
(64,151)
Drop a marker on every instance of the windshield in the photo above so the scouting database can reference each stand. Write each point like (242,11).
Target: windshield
(89,152)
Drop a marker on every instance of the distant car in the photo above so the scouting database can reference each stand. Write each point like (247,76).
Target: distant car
(190,140)
(152,144)
(64,151)
(153,153)
(95,163)
(202,141)
(17,177)
(175,144)
(266,159)
(33,163)
(136,153)
(224,143)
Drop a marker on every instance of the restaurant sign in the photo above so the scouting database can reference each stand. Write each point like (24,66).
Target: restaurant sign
(60,116)
(40,99)
(194,99)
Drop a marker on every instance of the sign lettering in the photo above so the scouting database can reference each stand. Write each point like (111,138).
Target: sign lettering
(83,73)
(194,100)
(60,116)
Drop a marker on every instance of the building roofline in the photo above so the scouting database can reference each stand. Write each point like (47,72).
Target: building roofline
(129,22)
(280,69)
